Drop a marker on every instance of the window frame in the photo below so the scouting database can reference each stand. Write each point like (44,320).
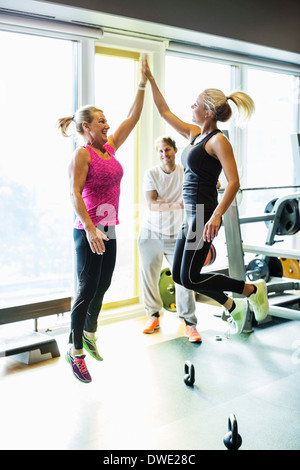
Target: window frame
(134,55)
(87,39)
(240,64)
(239,76)
(51,304)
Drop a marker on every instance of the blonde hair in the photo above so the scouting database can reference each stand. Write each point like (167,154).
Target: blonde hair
(217,101)
(166,140)
(84,114)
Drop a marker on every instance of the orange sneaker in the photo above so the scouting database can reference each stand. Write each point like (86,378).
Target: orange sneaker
(193,335)
(151,325)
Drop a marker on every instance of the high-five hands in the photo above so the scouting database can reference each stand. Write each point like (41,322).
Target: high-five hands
(145,66)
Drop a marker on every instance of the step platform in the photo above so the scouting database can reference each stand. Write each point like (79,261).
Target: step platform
(29,348)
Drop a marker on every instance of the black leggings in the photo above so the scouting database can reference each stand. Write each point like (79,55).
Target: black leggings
(190,256)
(94,274)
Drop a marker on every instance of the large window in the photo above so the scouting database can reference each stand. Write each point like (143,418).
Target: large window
(38,85)
(269,131)
(263,149)
(186,78)
(268,160)
(36,88)
(116,74)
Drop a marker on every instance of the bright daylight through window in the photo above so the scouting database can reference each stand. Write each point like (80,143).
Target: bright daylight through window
(186,78)
(36,88)
(115,87)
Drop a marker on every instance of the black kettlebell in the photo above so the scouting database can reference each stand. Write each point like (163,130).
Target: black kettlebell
(232,439)
(189,373)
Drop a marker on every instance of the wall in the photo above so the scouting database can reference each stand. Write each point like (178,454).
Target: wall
(272,23)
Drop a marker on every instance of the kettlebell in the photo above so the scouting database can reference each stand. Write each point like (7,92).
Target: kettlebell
(189,371)
(232,439)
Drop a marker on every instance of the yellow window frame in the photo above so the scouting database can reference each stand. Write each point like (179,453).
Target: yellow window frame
(113,52)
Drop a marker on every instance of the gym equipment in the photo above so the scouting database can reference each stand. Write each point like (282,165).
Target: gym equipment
(256,377)
(211,256)
(258,269)
(189,371)
(291,268)
(167,285)
(167,290)
(232,439)
(275,267)
(289,218)
(34,346)
(30,348)
(282,302)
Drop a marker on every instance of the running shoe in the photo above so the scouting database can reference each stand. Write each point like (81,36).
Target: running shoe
(79,368)
(90,346)
(151,325)
(239,314)
(192,333)
(259,300)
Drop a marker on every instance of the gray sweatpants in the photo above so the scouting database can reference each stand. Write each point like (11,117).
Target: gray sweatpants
(152,251)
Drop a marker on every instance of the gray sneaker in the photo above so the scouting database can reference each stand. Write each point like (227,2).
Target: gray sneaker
(239,314)
(259,300)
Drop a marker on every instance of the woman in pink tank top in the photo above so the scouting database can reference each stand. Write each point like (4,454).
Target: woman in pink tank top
(95,177)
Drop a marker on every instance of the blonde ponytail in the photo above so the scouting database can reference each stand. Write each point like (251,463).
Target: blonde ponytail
(83,114)
(217,101)
(244,104)
(63,124)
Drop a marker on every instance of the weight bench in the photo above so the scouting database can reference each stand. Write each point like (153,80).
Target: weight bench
(282,301)
(33,347)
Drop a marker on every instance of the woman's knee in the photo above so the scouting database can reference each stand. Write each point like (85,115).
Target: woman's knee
(87,286)
(185,280)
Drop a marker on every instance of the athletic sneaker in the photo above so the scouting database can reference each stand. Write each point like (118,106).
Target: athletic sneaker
(79,368)
(151,325)
(259,300)
(239,314)
(192,333)
(90,346)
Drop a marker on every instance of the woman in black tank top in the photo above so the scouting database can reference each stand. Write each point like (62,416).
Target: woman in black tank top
(208,153)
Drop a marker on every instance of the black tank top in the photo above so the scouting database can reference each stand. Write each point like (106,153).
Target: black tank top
(202,172)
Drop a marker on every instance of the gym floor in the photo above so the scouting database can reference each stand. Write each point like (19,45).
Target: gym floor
(138,399)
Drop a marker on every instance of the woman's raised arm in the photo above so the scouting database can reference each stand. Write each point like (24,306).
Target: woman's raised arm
(187,130)
(125,128)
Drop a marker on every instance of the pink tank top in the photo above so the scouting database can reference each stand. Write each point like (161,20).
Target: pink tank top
(101,191)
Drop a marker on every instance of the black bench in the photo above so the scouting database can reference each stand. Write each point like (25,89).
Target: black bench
(33,347)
